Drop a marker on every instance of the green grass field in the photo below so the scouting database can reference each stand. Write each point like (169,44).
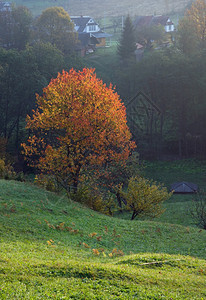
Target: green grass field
(104,61)
(52,248)
(97,8)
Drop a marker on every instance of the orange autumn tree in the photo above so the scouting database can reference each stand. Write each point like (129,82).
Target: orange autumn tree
(79,122)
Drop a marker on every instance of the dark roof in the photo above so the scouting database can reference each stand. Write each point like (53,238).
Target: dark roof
(5,6)
(184,187)
(151,20)
(81,22)
(101,34)
(160,20)
(143,21)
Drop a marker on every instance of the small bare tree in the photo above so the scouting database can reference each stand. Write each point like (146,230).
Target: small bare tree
(198,210)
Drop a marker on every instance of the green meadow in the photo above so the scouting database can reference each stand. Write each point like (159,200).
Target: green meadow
(53,248)
(109,8)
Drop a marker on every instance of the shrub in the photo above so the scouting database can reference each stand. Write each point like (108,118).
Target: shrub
(109,177)
(94,199)
(144,197)
(6,170)
(48,182)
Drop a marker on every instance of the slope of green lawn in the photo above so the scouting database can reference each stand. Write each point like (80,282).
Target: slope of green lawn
(169,172)
(51,248)
(110,8)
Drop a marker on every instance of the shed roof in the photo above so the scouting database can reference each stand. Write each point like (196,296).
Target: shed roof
(100,34)
(82,21)
(143,20)
(184,187)
(160,20)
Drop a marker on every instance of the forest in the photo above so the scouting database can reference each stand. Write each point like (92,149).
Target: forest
(171,77)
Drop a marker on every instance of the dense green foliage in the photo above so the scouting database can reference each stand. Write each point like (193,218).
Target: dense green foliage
(126,45)
(54,26)
(147,35)
(22,75)
(27,64)
(15,28)
(175,82)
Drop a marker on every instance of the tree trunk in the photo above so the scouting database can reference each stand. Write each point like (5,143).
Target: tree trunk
(75,184)
(7,105)
(76,179)
(133,215)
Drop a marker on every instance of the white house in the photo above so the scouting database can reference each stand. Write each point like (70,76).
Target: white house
(86,25)
(5,6)
(165,21)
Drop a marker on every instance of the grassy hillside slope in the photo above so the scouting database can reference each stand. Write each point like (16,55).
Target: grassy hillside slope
(52,248)
(98,8)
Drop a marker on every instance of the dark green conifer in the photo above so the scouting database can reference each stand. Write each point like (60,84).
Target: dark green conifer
(126,47)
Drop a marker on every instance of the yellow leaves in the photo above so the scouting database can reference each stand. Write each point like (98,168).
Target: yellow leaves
(92,234)
(96,252)
(197,15)
(144,196)
(86,245)
(70,229)
(51,243)
(116,252)
(62,227)
(102,251)
(104,254)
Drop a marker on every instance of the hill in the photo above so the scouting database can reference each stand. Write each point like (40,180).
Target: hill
(52,248)
(108,8)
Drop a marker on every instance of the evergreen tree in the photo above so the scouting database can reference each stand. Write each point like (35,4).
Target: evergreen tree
(126,45)
(15,28)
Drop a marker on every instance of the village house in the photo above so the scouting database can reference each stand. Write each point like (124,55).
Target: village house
(5,6)
(165,21)
(90,34)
